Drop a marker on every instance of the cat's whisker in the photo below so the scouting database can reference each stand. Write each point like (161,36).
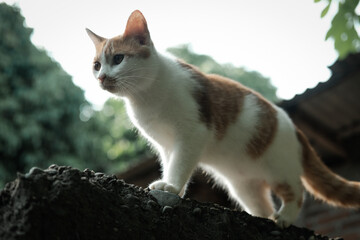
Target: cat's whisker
(131,90)
(137,68)
(141,68)
(134,93)
(136,77)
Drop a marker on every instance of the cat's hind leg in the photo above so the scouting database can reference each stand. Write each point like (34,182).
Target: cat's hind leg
(291,195)
(254,197)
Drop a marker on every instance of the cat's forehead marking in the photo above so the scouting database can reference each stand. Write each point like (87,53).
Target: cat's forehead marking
(106,45)
(99,50)
(121,45)
(103,52)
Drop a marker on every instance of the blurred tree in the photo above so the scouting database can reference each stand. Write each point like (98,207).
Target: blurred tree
(45,119)
(119,139)
(39,107)
(207,64)
(343,26)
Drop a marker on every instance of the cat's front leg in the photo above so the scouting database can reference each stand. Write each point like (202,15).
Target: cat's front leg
(183,160)
(164,186)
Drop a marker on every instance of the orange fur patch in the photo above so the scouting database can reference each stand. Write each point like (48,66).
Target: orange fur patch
(284,191)
(265,198)
(300,202)
(319,180)
(128,46)
(99,48)
(220,99)
(119,45)
(265,129)
(220,102)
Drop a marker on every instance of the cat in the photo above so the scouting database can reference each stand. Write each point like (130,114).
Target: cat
(249,145)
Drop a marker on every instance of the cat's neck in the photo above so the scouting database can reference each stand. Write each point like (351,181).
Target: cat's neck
(164,74)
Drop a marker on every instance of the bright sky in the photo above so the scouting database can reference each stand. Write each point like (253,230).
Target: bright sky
(282,39)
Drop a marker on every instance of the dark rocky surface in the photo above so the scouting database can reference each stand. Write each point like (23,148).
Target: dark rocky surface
(65,203)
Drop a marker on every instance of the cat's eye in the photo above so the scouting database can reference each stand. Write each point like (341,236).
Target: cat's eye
(118,58)
(97,66)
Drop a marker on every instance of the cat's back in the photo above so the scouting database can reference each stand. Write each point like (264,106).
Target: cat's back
(226,106)
(238,117)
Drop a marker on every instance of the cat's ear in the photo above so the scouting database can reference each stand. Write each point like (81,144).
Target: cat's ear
(95,38)
(136,27)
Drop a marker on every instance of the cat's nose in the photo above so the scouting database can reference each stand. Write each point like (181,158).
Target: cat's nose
(102,78)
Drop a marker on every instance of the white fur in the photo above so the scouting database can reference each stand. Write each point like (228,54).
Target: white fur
(159,101)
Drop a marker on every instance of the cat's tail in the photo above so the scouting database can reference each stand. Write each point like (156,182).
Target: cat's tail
(320,181)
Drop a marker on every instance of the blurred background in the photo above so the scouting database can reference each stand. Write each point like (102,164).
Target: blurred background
(52,110)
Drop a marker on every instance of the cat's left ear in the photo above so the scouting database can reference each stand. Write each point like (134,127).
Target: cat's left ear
(136,27)
(95,38)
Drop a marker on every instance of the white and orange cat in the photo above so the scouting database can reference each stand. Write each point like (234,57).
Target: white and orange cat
(249,145)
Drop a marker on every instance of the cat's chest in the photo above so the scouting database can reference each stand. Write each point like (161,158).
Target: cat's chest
(153,126)
(158,132)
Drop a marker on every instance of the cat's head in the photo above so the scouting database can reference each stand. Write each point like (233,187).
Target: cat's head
(126,64)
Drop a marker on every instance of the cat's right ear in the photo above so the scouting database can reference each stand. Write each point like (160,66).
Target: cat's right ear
(95,38)
(136,27)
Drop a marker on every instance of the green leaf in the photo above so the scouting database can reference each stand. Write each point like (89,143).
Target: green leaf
(326,10)
(329,34)
(316,1)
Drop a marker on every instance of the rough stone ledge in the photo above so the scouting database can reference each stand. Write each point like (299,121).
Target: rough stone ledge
(64,203)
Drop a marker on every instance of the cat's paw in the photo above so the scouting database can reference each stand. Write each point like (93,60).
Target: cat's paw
(164,186)
(281,221)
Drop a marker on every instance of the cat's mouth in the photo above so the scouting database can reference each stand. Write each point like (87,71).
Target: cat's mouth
(109,85)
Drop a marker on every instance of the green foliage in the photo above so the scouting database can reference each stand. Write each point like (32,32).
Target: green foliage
(119,139)
(207,64)
(343,27)
(45,119)
(39,107)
